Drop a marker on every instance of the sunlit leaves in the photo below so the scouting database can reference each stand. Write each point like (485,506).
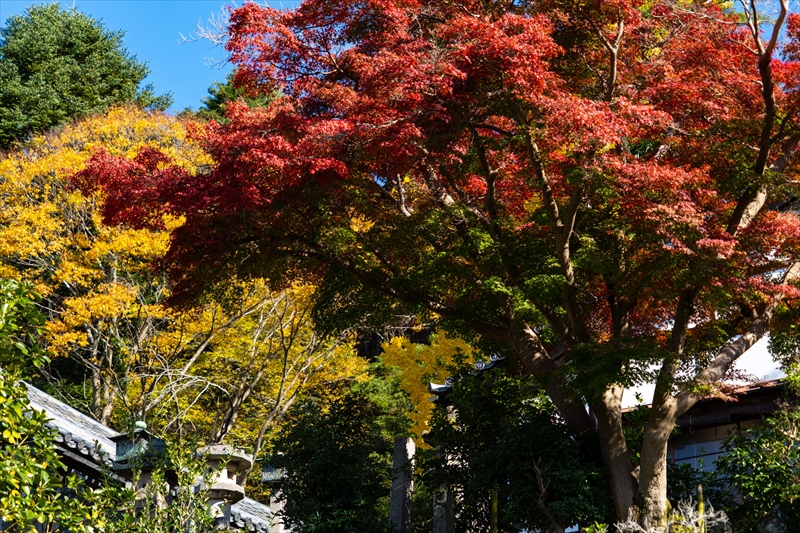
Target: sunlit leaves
(421,364)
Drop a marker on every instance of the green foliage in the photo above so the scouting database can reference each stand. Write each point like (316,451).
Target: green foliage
(220,94)
(597,527)
(683,479)
(784,344)
(155,508)
(57,64)
(35,492)
(503,433)
(763,465)
(338,458)
(20,324)
(30,469)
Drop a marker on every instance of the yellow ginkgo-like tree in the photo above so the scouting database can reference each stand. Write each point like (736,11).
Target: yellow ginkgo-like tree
(421,363)
(102,298)
(227,368)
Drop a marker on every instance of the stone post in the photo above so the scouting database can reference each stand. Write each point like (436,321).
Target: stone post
(444,520)
(142,452)
(402,484)
(273,477)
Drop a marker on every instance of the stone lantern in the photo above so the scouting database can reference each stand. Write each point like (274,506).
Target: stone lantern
(141,452)
(223,479)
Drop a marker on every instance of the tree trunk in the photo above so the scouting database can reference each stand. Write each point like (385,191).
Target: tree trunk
(97,393)
(537,361)
(652,493)
(622,476)
(108,399)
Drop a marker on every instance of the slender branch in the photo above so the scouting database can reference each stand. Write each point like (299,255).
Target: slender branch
(613,51)
(401,192)
(754,198)
(541,501)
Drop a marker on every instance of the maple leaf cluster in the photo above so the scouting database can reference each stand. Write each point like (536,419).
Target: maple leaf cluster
(441,154)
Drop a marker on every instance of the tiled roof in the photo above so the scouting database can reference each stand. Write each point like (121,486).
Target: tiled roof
(250,515)
(741,391)
(76,431)
(91,439)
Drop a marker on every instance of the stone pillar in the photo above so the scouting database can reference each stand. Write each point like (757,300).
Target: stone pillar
(443,511)
(140,452)
(276,503)
(402,484)
(273,477)
(223,480)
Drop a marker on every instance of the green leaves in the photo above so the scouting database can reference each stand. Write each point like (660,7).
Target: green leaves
(763,465)
(337,455)
(221,93)
(20,324)
(59,64)
(503,433)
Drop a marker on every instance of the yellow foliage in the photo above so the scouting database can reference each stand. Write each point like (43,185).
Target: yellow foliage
(178,369)
(360,224)
(420,364)
(49,231)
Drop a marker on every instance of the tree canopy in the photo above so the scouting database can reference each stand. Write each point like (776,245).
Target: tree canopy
(601,190)
(337,452)
(221,93)
(57,64)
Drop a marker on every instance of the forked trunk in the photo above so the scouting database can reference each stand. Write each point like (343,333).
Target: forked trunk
(537,361)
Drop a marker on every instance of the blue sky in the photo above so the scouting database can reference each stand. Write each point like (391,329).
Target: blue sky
(152,33)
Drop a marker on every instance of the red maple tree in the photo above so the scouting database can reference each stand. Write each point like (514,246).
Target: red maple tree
(610,177)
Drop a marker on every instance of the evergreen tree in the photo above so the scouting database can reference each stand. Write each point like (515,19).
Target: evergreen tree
(337,453)
(221,93)
(57,64)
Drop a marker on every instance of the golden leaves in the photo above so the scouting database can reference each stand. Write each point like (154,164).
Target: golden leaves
(360,224)
(421,364)
(51,231)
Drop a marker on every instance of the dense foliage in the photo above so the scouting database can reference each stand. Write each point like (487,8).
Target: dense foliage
(221,94)
(338,457)
(421,363)
(29,465)
(572,184)
(763,465)
(118,353)
(57,64)
(38,493)
(502,433)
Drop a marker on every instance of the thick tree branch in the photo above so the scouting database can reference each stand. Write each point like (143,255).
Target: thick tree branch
(528,347)
(437,190)
(490,175)
(734,349)
(563,233)
(683,315)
